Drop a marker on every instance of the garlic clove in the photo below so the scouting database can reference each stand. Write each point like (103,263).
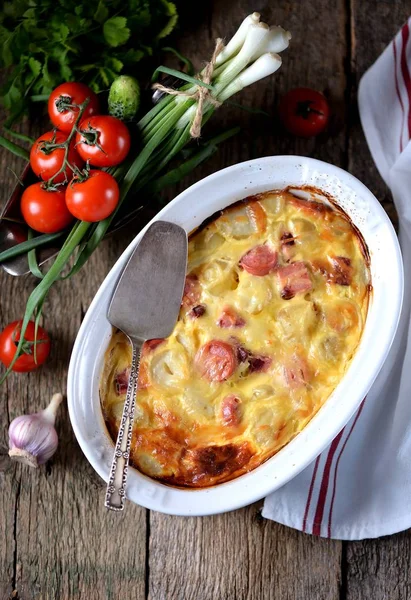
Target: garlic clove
(32,438)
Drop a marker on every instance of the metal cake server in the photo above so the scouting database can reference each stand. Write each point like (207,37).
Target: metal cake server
(145,305)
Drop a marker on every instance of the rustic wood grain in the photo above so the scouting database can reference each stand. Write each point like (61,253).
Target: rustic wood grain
(57,542)
(379,569)
(239,556)
(12,400)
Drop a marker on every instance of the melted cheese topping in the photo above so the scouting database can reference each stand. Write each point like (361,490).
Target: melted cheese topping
(275,303)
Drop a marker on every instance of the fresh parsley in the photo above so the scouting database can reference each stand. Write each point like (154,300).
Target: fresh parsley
(46,42)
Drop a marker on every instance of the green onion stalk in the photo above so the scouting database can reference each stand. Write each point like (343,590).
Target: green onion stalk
(166,129)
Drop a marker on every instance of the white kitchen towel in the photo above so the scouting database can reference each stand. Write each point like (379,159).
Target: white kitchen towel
(360,486)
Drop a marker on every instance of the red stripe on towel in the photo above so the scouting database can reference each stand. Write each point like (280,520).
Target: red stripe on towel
(336,467)
(319,513)
(405,33)
(397,89)
(310,493)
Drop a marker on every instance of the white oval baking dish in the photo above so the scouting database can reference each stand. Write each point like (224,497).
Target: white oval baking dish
(189,210)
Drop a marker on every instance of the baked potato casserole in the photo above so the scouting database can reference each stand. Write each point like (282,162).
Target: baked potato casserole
(275,302)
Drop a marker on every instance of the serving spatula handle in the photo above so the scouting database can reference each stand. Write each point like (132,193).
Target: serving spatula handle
(116,487)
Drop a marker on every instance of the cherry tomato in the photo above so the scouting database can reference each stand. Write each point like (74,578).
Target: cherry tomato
(62,113)
(45,211)
(46,162)
(103,140)
(93,199)
(304,112)
(34,353)
(216,360)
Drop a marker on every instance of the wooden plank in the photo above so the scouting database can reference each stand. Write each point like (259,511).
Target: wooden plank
(239,556)
(375,569)
(10,481)
(9,497)
(368,40)
(59,542)
(379,569)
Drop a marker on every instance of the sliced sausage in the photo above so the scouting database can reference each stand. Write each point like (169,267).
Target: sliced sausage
(230,318)
(294,279)
(259,261)
(216,360)
(192,291)
(230,410)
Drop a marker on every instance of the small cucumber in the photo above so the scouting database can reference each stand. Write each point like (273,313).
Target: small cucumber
(124,98)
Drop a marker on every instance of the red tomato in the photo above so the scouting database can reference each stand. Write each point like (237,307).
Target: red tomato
(43,210)
(304,112)
(259,261)
(216,360)
(103,140)
(62,113)
(33,353)
(46,162)
(93,199)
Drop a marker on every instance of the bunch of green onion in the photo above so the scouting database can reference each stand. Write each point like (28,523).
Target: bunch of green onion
(250,55)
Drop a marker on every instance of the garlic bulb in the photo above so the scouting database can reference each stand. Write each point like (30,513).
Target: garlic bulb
(32,438)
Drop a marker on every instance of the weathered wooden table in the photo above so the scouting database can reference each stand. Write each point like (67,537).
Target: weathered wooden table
(57,542)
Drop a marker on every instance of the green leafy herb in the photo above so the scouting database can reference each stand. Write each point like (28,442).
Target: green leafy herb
(116,32)
(45,42)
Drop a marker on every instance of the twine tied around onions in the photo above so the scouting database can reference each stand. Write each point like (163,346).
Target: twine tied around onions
(201,93)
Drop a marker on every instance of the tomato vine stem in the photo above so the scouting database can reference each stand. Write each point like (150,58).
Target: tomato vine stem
(49,184)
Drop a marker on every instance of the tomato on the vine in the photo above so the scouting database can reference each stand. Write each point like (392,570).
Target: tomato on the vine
(304,112)
(46,161)
(62,111)
(35,349)
(45,210)
(94,198)
(103,140)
